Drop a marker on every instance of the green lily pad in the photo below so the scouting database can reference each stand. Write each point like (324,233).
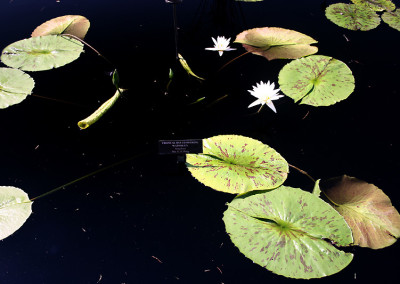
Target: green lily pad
(237,164)
(352,17)
(15,209)
(376,5)
(15,86)
(289,232)
(41,53)
(276,43)
(317,80)
(69,24)
(392,19)
(368,211)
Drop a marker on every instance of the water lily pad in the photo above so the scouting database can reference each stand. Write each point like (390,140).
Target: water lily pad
(237,164)
(15,86)
(352,17)
(276,43)
(316,80)
(376,5)
(15,209)
(392,19)
(41,53)
(69,24)
(289,232)
(368,211)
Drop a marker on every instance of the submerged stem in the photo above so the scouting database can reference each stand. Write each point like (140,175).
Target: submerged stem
(229,62)
(88,175)
(303,172)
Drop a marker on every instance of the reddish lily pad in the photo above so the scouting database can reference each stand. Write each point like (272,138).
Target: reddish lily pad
(237,164)
(276,43)
(368,211)
(289,232)
(69,24)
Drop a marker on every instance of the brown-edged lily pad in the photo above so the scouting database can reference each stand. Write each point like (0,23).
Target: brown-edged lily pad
(368,211)
(69,24)
(237,164)
(276,43)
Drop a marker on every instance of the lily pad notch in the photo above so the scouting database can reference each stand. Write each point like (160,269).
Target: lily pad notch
(237,164)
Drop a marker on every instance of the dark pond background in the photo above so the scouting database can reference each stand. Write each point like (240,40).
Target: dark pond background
(119,225)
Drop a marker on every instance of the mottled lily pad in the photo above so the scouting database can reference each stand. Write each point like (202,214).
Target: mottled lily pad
(237,164)
(276,43)
(368,211)
(376,5)
(392,19)
(352,17)
(316,80)
(41,53)
(15,86)
(289,232)
(69,24)
(15,209)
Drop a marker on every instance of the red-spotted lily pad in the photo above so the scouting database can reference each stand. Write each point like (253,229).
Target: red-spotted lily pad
(15,209)
(289,232)
(70,24)
(15,86)
(376,5)
(276,43)
(41,53)
(237,164)
(352,17)
(316,80)
(368,211)
(392,19)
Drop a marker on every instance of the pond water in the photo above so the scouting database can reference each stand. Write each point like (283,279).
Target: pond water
(147,220)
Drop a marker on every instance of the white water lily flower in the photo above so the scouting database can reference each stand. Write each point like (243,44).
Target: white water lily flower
(265,94)
(221,45)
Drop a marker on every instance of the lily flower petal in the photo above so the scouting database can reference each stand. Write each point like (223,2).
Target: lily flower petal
(221,44)
(265,94)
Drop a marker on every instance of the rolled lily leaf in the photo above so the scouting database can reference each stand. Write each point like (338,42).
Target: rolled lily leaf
(316,80)
(41,53)
(15,86)
(376,5)
(276,43)
(237,164)
(392,19)
(352,17)
(187,68)
(69,24)
(289,232)
(85,123)
(368,211)
(15,209)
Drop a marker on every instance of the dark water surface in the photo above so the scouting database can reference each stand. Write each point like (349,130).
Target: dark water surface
(148,220)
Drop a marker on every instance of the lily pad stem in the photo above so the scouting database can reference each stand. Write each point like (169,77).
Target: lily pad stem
(303,172)
(88,175)
(229,62)
(88,45)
